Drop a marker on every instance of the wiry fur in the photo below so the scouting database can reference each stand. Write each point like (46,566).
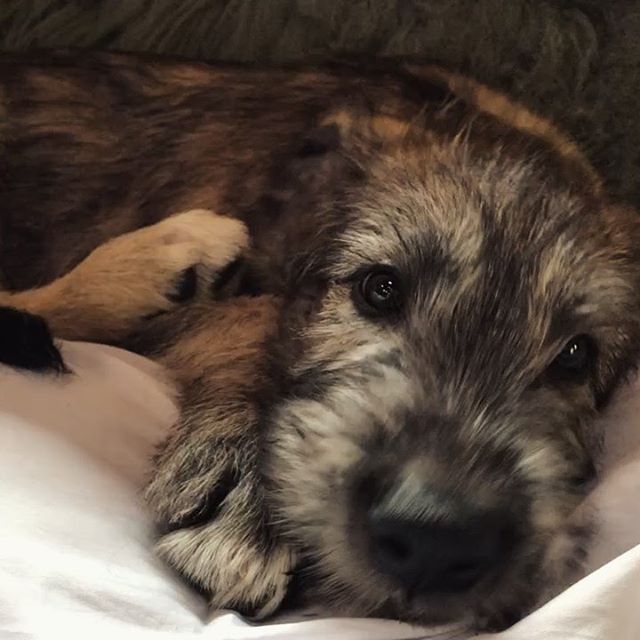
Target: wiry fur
(503,262)
(302,412)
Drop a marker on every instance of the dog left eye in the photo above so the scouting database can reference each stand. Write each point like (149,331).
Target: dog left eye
(576,356)
(378,291)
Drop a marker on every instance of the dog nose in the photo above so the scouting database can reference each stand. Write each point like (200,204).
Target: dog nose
(438,556)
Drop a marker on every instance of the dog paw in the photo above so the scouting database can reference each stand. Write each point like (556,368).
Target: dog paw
(149,271)
(212,516)
(195,243)
(231,557)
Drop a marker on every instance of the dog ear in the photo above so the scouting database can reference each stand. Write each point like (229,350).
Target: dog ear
(307,204)
(301,208)
(360,129)
(348,137)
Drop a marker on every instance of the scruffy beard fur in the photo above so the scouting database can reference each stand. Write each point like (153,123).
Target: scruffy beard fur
(453,405)
(304,414)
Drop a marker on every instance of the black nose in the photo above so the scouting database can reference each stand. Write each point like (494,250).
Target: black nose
(439,556)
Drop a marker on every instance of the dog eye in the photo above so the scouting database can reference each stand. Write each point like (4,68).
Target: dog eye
(576,357)
(378,291)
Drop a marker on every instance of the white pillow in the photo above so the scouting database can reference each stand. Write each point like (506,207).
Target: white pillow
(75,543)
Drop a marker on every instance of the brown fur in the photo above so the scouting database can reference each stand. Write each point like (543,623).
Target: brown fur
(132,277)
(300,420)
(81,131)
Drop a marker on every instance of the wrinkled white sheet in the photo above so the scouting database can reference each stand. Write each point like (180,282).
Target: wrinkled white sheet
(75,544)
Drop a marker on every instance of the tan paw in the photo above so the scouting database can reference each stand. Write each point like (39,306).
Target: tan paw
(148,271)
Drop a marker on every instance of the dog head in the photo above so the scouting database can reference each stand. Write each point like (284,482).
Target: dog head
(462,302)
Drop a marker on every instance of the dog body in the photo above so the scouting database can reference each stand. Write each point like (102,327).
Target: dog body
(113,143)
(406,429)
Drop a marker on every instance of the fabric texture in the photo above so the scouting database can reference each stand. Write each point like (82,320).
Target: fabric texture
(75,542)
(575,60)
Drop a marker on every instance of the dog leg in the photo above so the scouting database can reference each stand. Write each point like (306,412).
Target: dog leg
(223,542)
(134,277)
(206,494)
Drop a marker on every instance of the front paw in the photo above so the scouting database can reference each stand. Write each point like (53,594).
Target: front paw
(232,556)
(213,520)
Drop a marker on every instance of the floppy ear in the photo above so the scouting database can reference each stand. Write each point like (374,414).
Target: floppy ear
(360,129)
(301,209)
(307,204)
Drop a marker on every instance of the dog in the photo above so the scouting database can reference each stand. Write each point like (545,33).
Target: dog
(389,401)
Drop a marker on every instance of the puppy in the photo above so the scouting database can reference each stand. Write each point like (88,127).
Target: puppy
(410,431)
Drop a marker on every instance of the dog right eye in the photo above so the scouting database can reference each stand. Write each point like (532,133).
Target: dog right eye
(378,291)
(575,359)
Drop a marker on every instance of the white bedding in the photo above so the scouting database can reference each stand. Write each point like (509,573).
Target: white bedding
(75,544)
